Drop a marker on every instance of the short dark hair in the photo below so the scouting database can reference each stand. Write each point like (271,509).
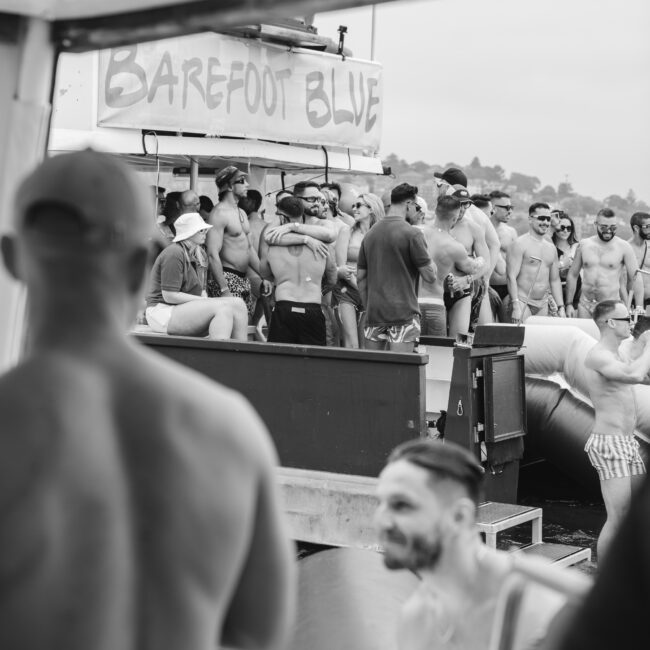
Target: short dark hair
(537,206)
(206,203)
(498,194)
(446,205)
(481,200)
(292,205)
(332,186)
(603,308)
(251,202)
(403,192)
(638,218)
(282,193)
(299,188)
(606,212)
(443,460)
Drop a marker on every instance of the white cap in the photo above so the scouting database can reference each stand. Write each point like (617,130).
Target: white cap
(188,224)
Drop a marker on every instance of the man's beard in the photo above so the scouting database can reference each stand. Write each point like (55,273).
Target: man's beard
(645,235)
(419,553)
(607,236)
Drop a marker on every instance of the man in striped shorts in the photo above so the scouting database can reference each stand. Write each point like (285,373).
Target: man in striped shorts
(612,448)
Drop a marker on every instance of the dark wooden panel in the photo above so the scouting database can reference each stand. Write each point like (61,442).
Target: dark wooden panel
(327,409)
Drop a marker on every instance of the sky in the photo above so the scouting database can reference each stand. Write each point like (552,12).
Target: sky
(558,89)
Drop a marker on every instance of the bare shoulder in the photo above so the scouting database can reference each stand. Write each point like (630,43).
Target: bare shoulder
(597,355)
(219,215)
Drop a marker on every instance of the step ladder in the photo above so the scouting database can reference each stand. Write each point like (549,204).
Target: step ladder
(338,510)
(494,518)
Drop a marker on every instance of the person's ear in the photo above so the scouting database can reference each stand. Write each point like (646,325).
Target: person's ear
(136,269)
(464,513)
(10,255)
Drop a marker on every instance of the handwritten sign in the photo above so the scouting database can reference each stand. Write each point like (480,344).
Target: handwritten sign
(218,85)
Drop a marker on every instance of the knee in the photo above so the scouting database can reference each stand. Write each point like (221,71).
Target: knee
(239,308)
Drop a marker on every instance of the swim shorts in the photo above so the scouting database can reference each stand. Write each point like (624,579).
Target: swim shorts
(158,316)
(501,289)
(588,305)
(452,298)
(406,333)
(344,292)
(238,285)
(433,316)
(614,456)
(297,322)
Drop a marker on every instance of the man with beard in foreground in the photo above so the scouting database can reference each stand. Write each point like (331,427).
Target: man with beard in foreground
(602,258)
(640,224)
(426,519)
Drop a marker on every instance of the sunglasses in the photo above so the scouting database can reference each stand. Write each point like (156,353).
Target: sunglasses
(645,226)
(508,208)
(627,319)
(311,199)
(606,228)
(566,228)
(543,219)
(240,181)
(359,205)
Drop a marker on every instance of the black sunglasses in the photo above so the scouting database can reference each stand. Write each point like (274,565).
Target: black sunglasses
(566,228)
(606,228)
(542,218)
(360,205)
(503,207)
(627,319)
(240,181)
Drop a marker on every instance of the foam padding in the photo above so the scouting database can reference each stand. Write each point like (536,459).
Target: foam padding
(348,600)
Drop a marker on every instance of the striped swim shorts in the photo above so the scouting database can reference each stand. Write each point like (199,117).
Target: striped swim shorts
(614,456)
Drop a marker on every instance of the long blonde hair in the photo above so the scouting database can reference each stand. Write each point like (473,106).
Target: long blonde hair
(376,208)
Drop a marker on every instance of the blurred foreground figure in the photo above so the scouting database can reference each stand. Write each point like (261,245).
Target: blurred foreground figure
(137,497)
(426,519)
(614,614)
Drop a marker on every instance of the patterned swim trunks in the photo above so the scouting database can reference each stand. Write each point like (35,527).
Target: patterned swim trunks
(614,456)
(407,333)
(238,285)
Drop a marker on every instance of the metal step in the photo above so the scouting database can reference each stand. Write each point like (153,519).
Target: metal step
(496,517)
(560,554)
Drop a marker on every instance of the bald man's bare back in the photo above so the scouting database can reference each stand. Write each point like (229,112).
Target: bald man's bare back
(137,508)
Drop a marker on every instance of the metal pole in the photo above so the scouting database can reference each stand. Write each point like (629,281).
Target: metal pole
(372,32)
(194,173)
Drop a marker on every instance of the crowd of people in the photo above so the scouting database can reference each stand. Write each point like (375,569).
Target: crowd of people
(383,275)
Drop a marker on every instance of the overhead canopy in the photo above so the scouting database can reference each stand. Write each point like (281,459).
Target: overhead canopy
(81,25)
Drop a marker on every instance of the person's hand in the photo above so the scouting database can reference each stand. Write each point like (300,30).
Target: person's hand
(517,312)
(274,234)
(561,312)
(570,311)
(266,288)
(317,247)
(225,292)
(345,272)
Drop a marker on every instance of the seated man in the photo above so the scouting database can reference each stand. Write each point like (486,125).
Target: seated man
(176,303)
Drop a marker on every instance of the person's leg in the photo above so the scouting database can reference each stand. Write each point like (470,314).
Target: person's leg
(348,316)
(376,345)
(459,316)
(617,493)
(210,316)
(240,319)
(402,346)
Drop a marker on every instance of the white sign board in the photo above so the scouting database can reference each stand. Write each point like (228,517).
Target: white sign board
(218,85)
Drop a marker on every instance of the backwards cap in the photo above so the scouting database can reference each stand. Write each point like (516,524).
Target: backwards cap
(113,206)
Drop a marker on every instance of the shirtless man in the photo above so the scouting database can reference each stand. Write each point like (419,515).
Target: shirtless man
(640,223)
(458,297)
(454,179)
(532,269)
(229,248)
(428,497)
(139,506)
(602,259)
(612,448)
(502,206)
(297,270)
(449,256)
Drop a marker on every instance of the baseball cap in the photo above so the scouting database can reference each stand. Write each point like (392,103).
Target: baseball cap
(227,175)
(113,207)
(188,224)
(422,203)
(462,195)
(453,176)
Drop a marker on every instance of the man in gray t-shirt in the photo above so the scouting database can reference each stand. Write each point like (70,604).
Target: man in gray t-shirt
(392,257)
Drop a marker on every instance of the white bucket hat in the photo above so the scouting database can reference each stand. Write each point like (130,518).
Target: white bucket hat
(189,224)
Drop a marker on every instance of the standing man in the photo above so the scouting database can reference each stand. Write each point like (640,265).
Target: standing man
(502,206)
(230,251)
(297,270)
(449,256)
(640,223)
(347,219)
(392,257)
(428,497)
(602,258)
(139,504)
(189,201)
(532,269)
(612,449)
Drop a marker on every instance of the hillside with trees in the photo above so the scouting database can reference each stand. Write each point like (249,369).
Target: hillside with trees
(523,189)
